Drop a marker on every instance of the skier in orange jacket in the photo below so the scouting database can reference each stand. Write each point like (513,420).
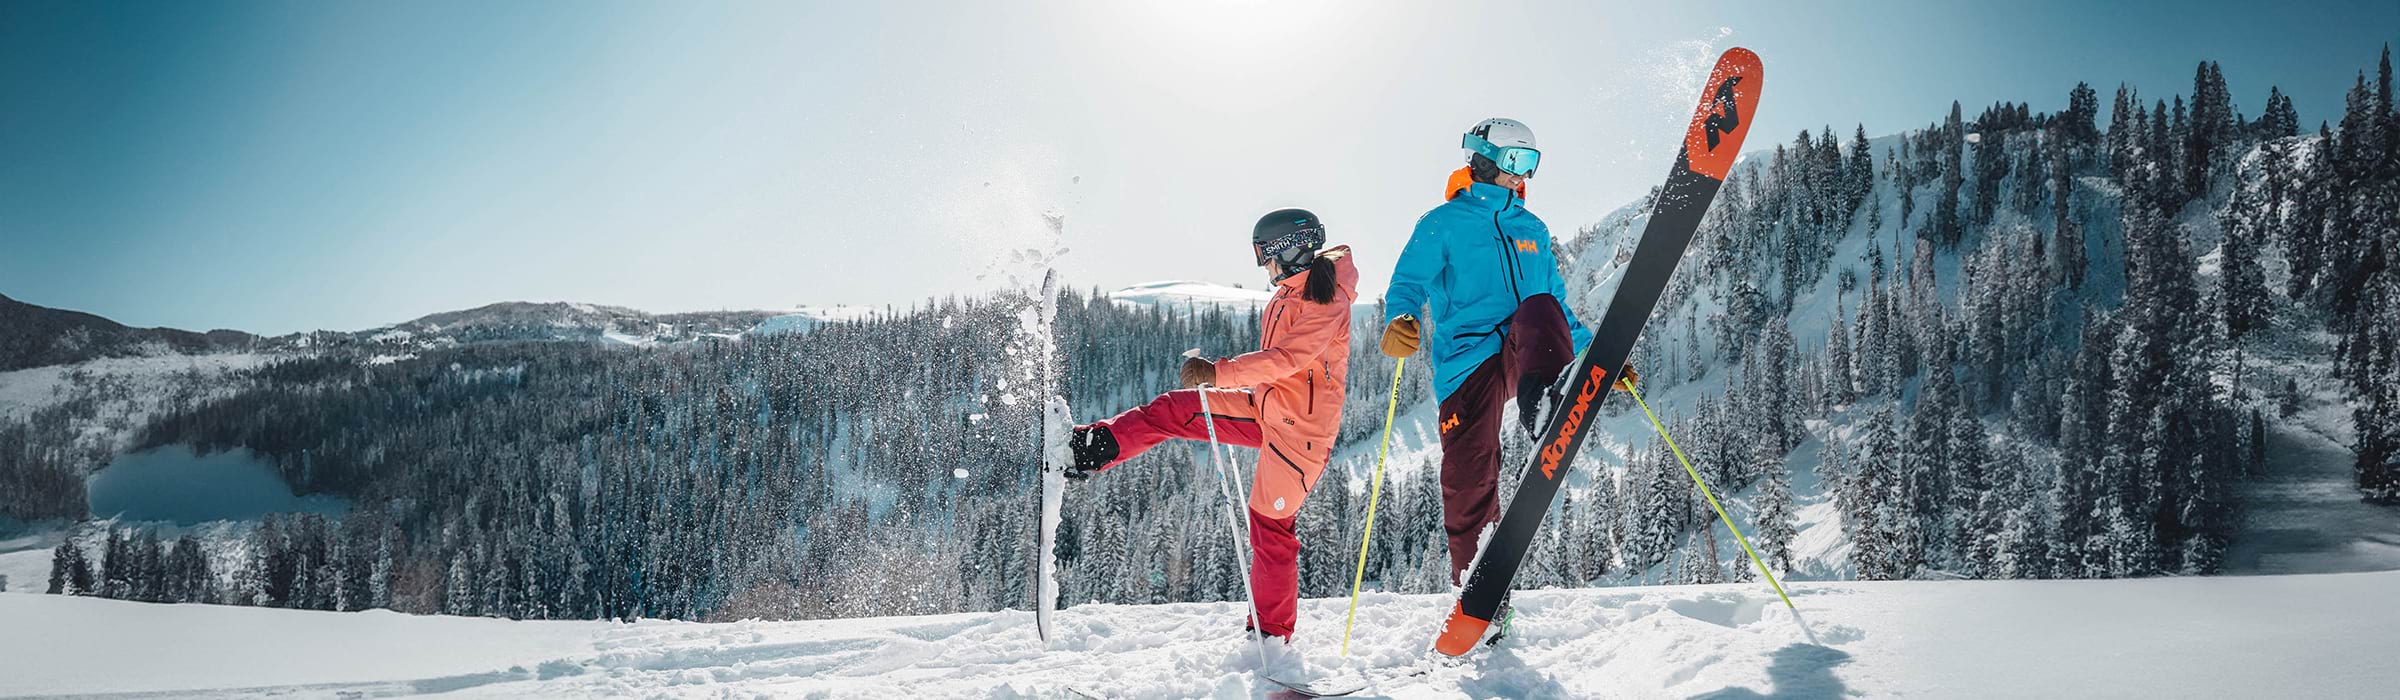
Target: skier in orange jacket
(1285,399)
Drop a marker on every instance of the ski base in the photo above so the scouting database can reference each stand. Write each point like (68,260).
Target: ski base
(1057,425)
(1328,688)
(1712,142)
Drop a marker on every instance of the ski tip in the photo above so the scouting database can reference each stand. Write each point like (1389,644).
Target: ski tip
(1727,102)
(1461,633)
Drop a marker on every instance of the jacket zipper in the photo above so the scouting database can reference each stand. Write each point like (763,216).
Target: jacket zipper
(1507,262)
(1312,392)
(1266,339)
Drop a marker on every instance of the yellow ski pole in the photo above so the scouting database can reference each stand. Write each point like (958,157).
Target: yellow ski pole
(1712,498)
(1358,574)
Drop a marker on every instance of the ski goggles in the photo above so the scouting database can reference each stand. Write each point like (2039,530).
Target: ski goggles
(1308,239)
(1514,160)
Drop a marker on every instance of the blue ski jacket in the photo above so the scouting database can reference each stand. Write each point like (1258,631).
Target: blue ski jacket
(1468,265)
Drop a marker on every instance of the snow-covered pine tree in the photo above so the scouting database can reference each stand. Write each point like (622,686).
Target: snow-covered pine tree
(149,567)
(458,595)
(1776,524)
(1869,511)
(70,573)
(2278,120)
(1595,551)
(1861,171)
(1971,474)
(1947,226)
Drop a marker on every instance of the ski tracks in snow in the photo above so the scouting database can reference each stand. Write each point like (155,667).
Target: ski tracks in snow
(1667,642)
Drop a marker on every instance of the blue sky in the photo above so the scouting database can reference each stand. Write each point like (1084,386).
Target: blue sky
(285,166)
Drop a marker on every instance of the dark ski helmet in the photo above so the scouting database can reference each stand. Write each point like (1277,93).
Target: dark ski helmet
(1288,236)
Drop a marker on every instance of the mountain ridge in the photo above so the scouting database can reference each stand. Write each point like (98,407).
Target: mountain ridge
(40,336)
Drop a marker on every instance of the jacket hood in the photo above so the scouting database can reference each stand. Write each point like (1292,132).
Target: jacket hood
(1464,178)
(1345,272)
(1489,197)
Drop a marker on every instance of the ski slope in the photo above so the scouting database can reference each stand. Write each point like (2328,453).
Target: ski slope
(2318,635)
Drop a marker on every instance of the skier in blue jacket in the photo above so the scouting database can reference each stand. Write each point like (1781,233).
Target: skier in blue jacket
(1480,269)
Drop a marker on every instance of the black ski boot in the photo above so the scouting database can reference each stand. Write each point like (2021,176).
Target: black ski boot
(1501,623)
(1094,447)
(1535,401)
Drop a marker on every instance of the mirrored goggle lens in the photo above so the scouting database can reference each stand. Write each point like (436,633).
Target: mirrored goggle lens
(1519,161)
(1514,160)
(1261,251)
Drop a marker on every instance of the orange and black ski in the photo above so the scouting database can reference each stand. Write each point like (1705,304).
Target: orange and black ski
(1710,144)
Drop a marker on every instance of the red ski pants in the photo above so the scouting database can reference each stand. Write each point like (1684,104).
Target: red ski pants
(1274,546)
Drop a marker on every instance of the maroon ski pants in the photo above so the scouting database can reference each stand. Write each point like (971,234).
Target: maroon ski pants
(1535,347)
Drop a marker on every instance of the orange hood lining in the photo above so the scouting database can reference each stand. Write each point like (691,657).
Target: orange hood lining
(1461,178)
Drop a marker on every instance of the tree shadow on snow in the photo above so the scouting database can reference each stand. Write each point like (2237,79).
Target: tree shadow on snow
(1799,671)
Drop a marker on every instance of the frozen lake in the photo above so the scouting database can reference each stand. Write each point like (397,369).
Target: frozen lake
(175,483)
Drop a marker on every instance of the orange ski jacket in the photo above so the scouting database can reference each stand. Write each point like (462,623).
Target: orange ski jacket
(1297,379)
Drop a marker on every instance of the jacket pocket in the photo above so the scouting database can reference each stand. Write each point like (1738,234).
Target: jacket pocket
(1305,485)
(1459,342)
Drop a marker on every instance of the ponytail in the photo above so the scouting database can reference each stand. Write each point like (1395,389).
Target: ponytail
(1319,288)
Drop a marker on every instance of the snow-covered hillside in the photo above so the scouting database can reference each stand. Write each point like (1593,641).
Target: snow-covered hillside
(808,318)
(1186,295)
(2319,636)
(126,390)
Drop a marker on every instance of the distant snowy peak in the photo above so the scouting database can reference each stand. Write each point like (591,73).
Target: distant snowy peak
(557,321)
(1186,295)
(521,314)
(808,318)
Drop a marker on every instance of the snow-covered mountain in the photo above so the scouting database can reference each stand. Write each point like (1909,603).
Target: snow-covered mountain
(38,336)
(45,337)
(552,321)
(1186,295)
(808,318)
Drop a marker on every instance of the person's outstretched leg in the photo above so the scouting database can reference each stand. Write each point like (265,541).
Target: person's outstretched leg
(1175,414)
(1275,572)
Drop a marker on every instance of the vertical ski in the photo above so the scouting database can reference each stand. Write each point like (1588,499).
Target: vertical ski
(1056,426)
(1710,143)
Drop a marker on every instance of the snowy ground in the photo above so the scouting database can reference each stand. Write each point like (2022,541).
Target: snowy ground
(25,561)
(2323,635)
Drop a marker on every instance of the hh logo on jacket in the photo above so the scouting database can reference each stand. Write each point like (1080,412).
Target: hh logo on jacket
(1525,245)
